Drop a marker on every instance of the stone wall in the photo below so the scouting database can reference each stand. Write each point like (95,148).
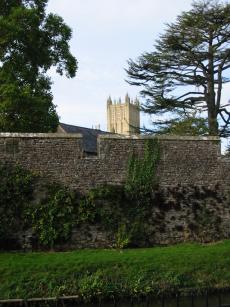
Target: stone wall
(184,160)
(178,214)
(193,202)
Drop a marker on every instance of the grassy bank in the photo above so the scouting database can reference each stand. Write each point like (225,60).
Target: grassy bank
(108,273)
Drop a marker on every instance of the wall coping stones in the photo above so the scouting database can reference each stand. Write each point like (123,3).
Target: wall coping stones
(108,136)
(41,135)
(161,137)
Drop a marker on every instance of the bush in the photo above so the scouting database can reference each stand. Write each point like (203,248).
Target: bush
(16,192)
(52,220)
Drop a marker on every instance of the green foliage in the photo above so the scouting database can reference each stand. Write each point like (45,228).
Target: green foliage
(117,212)
(123,210)
(106,206)
(122,237)
(16,191)
(86,210)
(190,125)
(52,216)
(141,178)
(193,52)
(127,216)
(52,219)
(31,42)
(26,108)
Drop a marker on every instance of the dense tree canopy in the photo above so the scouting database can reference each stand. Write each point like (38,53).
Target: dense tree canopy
(31,42)
(188,67)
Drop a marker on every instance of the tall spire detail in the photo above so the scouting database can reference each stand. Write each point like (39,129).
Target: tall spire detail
(109,100)
(127,98)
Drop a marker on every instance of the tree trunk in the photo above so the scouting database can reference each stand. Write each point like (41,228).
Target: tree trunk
(212,112)
(212,122)
(211,95)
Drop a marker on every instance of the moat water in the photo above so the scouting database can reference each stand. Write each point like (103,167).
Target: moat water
(222,300)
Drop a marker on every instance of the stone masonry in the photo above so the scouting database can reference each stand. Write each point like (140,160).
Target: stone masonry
(193,181)
(59,157)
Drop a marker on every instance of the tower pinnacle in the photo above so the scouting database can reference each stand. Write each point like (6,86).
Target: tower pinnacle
(127,98)
(109,100)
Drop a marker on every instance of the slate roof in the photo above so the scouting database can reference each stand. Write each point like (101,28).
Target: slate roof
(89,136)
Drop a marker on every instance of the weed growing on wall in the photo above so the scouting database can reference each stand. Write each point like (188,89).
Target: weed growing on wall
(141,178)
(122,237)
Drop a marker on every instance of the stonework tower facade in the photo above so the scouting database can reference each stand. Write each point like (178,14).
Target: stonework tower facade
(123,118)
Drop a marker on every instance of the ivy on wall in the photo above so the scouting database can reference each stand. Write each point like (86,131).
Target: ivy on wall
(123,212)
(51,218)
(117,213)
(141,178)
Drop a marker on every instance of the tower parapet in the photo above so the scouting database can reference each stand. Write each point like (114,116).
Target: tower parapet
(123,118)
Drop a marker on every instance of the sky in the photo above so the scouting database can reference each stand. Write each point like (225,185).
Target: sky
(106,33)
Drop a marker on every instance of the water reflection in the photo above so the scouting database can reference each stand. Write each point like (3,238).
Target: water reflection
(200,301)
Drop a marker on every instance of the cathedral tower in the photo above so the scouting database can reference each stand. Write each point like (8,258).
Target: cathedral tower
(123,118)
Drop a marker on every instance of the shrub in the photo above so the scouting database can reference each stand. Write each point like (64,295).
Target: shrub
(16,192)
(52,220)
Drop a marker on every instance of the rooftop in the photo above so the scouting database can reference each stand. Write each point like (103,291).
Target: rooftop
(89,136)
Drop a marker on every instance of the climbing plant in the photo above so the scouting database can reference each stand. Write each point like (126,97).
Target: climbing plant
(120,210)
(141,178)
(123,210)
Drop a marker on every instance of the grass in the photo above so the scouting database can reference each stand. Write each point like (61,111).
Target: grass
(111,273)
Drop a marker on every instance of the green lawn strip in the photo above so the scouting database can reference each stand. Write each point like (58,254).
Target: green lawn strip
(107,273)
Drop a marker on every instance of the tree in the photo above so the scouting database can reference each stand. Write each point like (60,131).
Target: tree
(193,52)
(227,152)
(183,125)
(31,42)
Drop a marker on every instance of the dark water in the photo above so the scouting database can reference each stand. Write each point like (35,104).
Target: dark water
(202,301)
